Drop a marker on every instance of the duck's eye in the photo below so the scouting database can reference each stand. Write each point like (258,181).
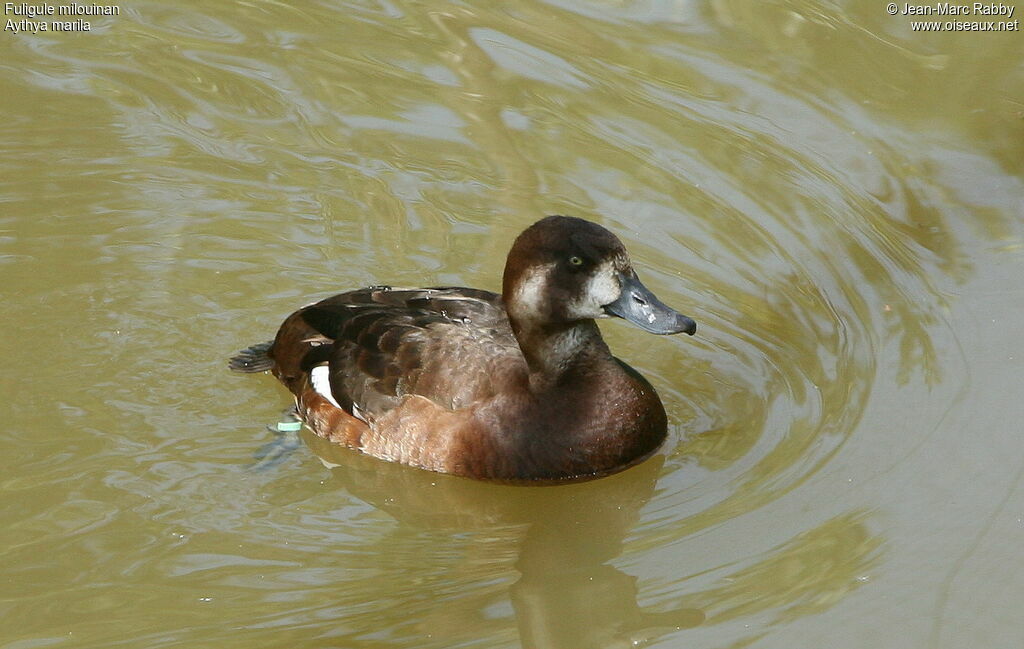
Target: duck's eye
(575,261)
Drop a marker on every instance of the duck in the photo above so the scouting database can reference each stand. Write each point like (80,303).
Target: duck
(518,387)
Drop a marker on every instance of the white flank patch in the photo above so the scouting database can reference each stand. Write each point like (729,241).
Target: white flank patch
(358,413)
(320,378)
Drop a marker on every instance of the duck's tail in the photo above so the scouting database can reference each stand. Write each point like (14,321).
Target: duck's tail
(253,359)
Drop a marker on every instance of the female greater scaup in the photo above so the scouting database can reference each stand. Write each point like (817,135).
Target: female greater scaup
(518,387)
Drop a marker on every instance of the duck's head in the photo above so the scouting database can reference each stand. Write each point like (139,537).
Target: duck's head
(563,270)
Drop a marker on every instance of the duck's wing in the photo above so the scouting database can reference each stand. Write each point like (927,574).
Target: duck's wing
(453,346)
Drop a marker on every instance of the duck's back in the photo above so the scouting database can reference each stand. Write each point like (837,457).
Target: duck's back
(452,346)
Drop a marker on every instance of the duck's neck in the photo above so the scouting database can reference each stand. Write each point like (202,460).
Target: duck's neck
(552,351)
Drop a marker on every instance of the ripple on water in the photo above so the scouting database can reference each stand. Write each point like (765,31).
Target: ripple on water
(233,169)
(794,291)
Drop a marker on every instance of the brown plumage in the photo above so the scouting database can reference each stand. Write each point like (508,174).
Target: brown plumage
(462,381)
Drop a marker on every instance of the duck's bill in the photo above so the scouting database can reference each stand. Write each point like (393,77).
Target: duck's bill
(638,305)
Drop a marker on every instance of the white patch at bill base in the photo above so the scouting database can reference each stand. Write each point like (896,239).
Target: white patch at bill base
(603,287)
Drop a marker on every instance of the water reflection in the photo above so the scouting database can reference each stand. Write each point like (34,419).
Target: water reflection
(551,553)
(557,546)
(806,575)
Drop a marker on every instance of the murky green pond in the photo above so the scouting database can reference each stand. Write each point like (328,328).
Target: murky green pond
(837,199)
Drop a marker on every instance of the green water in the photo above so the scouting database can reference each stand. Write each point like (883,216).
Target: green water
(836,199)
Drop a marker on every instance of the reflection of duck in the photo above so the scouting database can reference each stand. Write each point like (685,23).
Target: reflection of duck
(513,387)
(474,538)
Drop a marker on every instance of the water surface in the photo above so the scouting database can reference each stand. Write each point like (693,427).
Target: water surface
(837,200)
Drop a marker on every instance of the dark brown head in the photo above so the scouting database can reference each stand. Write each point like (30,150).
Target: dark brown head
(563,270)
